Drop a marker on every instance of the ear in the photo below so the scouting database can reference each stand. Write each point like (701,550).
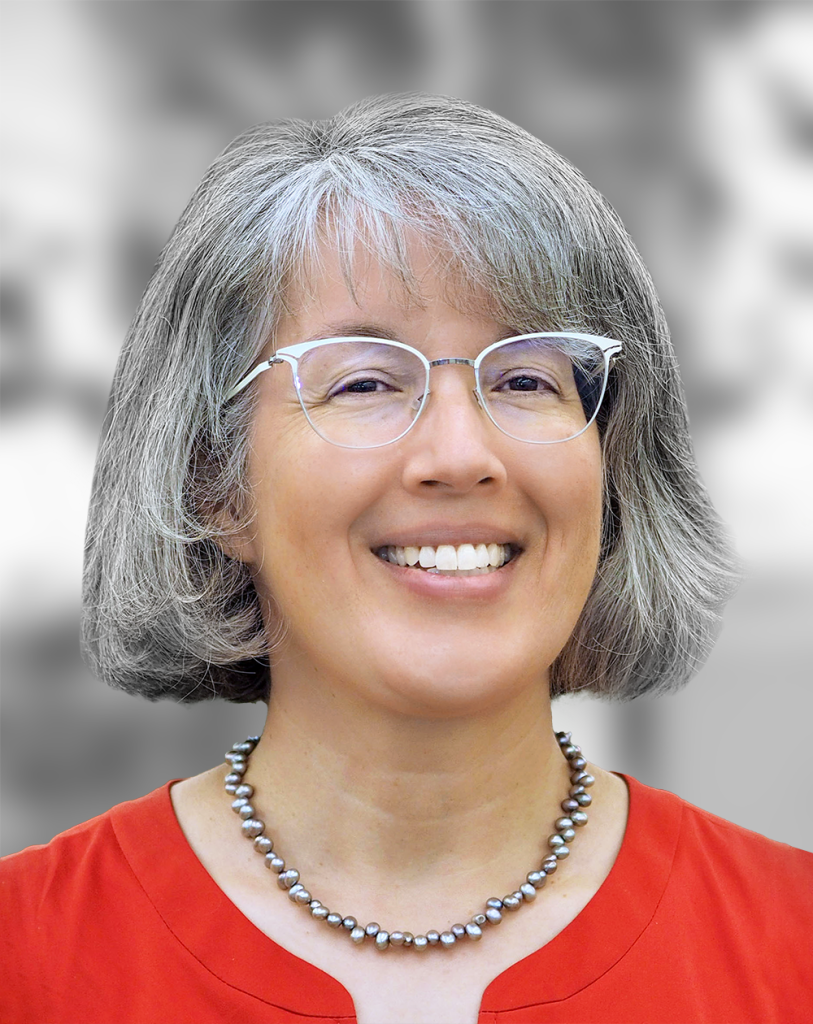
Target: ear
(236,536)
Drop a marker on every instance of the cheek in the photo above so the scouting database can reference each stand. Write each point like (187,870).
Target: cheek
(571,495)
(306,497)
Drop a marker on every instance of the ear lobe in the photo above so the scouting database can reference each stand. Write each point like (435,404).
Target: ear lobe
(235,538)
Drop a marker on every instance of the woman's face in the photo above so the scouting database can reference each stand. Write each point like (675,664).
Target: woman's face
(417,642)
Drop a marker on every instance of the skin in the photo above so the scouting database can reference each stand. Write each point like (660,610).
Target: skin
(410,719)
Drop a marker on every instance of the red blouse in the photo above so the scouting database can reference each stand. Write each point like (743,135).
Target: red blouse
(117,922)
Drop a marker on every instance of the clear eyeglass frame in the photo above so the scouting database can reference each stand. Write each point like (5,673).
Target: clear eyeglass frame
(291,354)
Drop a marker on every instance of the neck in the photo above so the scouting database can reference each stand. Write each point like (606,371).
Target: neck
(427,808)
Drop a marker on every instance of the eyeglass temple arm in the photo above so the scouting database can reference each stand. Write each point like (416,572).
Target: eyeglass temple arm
(244,383)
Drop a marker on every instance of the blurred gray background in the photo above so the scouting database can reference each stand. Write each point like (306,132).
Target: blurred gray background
(694,119)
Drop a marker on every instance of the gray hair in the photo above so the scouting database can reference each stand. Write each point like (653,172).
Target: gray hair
(167,613)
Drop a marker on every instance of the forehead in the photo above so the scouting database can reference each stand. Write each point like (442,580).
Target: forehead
(333,282)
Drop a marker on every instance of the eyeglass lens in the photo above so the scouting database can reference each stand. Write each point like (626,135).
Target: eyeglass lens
(362,394)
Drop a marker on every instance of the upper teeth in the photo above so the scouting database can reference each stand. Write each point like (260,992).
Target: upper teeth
(447,557)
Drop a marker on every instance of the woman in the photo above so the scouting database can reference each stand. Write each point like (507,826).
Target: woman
(397,444)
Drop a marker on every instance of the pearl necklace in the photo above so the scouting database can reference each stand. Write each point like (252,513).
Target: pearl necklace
(288,878)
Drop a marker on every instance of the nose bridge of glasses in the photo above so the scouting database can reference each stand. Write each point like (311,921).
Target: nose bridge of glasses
(456,361)
(452,361)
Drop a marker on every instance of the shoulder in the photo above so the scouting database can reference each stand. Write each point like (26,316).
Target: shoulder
(70,857)
(45,874)
(719,865)
(63,901)
(701,828)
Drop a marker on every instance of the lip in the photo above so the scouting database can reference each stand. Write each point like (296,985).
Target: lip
(434,534)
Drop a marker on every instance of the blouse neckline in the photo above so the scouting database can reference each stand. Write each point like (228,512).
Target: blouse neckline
(214,931)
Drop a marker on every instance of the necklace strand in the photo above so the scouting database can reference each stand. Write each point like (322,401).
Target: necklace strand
(288,878)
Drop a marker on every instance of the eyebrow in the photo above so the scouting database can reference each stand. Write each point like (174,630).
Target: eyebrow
(354,329)
(367,329)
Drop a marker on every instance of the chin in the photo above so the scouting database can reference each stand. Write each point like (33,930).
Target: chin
(458,690)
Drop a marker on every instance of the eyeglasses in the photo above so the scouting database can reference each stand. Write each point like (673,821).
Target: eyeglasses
(360,392)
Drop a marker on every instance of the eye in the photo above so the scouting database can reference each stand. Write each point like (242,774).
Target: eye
(523,380)
(361,386)
(524,383)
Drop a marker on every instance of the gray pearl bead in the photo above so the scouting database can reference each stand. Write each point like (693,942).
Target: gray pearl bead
(231,787)
(238,803)
(570,751)
(288,878)
(382,940)
(568,834)
(528,891)
(569,805)
(420,942)
(320,913)
(564,823)
(447,940)
(262,844)
(479,919)
(349,923)
(246,812)
(549,865)
(409,939)
(358,935)
(372,929)
(474,931)
(245,747)
(587,781)
(299,894)
(584,799)
(562,852)
(252,828)
(232,778)
(555,840)
(397,938)
(536,878)
(433,937)
(493,916)
(315,903)
(511,902)
(274,862)
(234,755)
(563,738)
(577,763)
(244,790)
(458,931)
(576,777)
(239,767)
(495,903)
(333,920)
(575,790)
(579,818)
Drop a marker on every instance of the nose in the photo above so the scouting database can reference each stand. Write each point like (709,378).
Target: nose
(452,446)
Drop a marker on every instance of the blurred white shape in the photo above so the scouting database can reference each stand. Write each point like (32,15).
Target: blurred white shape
(59,169)
(763,481)
(754,104)
(753,318)
(47,468)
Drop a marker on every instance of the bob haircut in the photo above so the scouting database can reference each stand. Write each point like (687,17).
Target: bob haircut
(166,612)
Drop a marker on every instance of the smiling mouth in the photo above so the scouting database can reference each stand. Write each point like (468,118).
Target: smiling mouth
(450,560)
